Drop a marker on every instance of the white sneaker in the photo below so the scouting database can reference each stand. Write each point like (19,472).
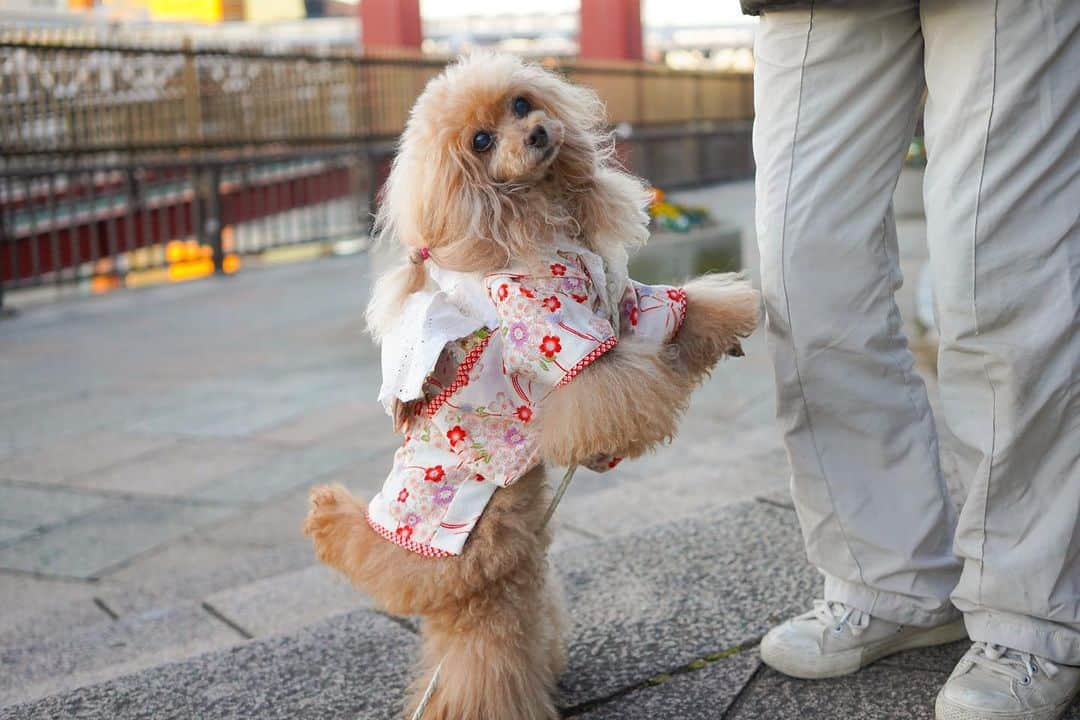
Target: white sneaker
(992,682)
(835,639)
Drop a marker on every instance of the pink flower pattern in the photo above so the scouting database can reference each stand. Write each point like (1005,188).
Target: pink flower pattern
(482,436)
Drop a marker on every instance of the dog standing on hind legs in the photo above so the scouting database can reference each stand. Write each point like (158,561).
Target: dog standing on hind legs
(512,339)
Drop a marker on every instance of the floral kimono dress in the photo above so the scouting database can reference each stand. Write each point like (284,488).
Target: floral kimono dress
(480,353)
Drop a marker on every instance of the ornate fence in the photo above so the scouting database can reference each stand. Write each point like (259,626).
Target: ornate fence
(112,151)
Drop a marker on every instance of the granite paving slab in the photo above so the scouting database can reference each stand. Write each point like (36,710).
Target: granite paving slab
(35,609)
(28,507)
(242,405)
(99,541)
(57,461)
(288,601)
(878,692)
(108,649)
(666,596)
(250,413)
(179,468)
(288,470)
(350,667)
(936,659)
(64,419)
(194,567)
(9,533)
(640,606)
(275,522)
(313,426)
(620,501)
(701,692)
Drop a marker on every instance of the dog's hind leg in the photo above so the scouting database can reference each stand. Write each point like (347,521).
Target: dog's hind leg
(495,658)
(495,640)
(555,623)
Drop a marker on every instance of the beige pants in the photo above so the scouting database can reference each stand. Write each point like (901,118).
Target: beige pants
(837,94)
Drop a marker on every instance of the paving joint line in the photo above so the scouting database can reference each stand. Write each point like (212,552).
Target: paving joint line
(404,623)
(49,576)
(912,668)
(775,503)
(103,606)
(580,531)
(111,494)
(738,699)
(222,618)
(663,677)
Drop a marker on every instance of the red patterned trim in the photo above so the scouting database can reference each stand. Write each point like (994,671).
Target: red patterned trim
(418,548)
(572,331)
(454,526)
(460,380)
(682,314)
(588,359)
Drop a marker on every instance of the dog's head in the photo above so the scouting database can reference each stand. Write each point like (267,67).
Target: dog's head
(492,156)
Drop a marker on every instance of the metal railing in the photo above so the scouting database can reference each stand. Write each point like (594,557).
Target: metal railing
(121,161)
(58,96)
(143,223)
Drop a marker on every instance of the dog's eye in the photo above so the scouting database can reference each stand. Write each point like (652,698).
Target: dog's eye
(482,141)
(521,107)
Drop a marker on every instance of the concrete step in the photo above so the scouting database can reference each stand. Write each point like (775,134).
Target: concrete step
(77,656)
(256,592)
(660,600)
(287,602)
(108,649)
(664,625)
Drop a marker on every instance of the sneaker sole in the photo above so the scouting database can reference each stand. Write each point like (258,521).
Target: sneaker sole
(819,667)
(948,710)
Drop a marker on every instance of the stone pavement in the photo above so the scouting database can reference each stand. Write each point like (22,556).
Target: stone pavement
(156,447)
(664,625)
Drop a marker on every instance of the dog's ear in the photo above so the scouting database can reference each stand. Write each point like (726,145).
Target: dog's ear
(613,214)
(388,296)
(611,207)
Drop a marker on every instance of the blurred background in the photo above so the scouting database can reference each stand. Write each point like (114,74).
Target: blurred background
(186,190)
(161,140)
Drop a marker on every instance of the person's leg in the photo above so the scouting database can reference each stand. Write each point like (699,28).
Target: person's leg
(837,95)
(1003,206)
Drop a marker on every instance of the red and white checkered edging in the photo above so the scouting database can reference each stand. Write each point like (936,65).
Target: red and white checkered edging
(418,548)
(588,359)
(461,379)
(682,314)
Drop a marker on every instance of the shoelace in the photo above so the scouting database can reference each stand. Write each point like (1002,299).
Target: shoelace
(838,615)
(1020,666)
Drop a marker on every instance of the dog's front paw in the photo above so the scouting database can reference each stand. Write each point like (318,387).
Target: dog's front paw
(332,510)
(721,311)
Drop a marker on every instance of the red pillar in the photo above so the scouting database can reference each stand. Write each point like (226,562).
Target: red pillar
(386,24)
(610,30)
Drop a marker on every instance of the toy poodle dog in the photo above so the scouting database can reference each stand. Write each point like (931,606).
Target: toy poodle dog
(512,339)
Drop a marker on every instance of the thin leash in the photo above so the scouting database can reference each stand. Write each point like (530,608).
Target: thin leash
(547,518)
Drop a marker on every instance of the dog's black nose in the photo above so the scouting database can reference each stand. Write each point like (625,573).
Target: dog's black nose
(538,138)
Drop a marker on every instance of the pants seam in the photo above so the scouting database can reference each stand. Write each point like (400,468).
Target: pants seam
(787,299)
(975,310)
(905,373)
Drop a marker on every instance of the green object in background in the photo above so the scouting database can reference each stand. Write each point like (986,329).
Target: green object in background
(677,218)
(916,154)
(670,258)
